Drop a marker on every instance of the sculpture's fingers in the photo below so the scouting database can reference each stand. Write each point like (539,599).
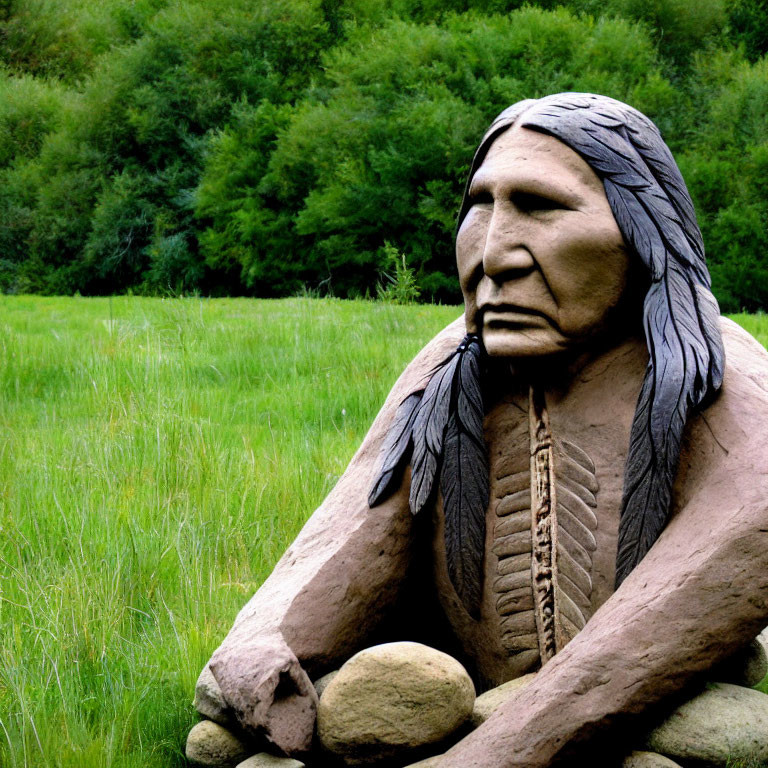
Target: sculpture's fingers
(269,692)
(289,721)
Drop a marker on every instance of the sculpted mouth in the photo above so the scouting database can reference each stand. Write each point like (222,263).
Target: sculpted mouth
(512,316)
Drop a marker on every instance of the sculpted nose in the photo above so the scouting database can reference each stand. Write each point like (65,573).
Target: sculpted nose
(506,254)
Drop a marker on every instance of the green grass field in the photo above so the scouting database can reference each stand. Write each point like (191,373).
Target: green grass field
(157,456)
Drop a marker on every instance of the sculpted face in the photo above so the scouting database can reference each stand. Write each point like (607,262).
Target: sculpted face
(541,260)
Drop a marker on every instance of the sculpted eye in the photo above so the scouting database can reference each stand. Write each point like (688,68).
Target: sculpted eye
(530,203)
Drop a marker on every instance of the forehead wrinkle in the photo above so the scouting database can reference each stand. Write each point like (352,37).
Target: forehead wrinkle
(539,160)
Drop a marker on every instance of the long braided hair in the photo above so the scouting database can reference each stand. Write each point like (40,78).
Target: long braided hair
(440,429)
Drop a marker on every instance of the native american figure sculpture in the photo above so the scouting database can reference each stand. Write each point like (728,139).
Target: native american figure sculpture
(570,477)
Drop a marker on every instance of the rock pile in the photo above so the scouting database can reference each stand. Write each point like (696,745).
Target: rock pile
(393,703)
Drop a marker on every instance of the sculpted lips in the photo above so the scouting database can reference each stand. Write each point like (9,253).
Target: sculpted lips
(511,316)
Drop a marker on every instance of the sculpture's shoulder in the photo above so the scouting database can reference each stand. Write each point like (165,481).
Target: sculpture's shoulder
(418,371)
(746,360)
(724,448)
(742,402)
(741,406)
(413,378)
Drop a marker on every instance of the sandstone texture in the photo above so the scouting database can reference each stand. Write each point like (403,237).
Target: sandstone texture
(281,700)
(747,667)
(263,760)
(695,598)
(430,762)
(723,722)
(490,700)
(209,745)
(647,760)
(391,698)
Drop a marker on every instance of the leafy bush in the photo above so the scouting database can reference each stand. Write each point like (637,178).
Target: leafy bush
(679,27)
(63,38)
(114,209)
(747,26)
(399,287)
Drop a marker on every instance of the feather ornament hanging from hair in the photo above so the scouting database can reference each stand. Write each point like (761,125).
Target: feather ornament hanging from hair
(440,430)
(655,214)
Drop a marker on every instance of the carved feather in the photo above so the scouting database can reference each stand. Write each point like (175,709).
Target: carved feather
(464,482)
(441,430)
(563,488)
(395,450)
(512,588)
(428,432)
(544,540)
(576,490)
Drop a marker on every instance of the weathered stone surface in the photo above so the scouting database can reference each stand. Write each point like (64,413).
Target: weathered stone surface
(281,699)
(209,745)
(696,597)
(724,721)
(263,760)
(208,699)
(391,698)
(322,682)
(747,667)
(647,760)
(486,703)
(430,762)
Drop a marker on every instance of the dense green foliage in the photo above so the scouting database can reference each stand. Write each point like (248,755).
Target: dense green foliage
(233,146)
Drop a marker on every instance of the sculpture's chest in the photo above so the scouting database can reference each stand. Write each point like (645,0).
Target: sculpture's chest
(556,470)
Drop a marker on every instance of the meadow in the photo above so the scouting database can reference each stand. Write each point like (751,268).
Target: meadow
(156,457)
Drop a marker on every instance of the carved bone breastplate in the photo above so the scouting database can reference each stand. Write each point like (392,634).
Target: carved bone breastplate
(543,531)
(556,472)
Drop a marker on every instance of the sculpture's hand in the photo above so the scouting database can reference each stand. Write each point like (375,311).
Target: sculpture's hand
(263,685)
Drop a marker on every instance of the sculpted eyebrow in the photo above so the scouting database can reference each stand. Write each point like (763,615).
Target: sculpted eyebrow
(530,192)
(554,193)
(477,187)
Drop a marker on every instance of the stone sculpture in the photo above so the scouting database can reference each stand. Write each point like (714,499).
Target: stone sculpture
(587,498)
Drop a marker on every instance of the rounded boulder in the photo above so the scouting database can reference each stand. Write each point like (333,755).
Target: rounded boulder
(723,722)
(209,745)
(391,698)
(487,703)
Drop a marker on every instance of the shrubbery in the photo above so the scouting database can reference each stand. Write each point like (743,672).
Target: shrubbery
(262,147)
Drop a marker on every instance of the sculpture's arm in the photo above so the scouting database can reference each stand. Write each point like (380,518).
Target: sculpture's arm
(326,595)
(699,594)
